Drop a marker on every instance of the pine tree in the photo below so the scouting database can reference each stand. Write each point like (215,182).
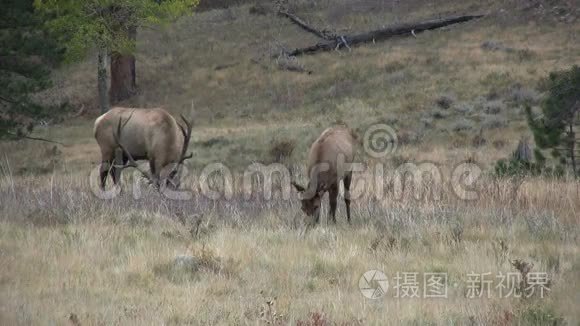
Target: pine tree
(110,28)
(27,54)
(558,126)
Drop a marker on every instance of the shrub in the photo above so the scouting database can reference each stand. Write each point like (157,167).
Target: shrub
(479,140)
(289,63)
(522,164)
(494,122)
(492,46)
(445,101)
(217,141)
(557,128)
(494,107)
(394,67)
(511,167)
(259,9)
(523,96)
(185,268)
(438,114)
(462,125)
(464,108)
(281,150)
(427,122)
(525,54)
(499,144)
(496,81)
(539,316)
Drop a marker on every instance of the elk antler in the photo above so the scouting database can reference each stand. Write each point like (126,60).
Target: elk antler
(130,161)
(186,131)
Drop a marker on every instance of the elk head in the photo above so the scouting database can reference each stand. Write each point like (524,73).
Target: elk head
(310,199)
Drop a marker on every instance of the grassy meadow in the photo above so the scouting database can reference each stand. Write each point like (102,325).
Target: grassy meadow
(453,95)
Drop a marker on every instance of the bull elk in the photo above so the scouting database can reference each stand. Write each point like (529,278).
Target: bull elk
(327,158)
(128,135)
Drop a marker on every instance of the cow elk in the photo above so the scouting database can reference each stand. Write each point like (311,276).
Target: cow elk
(328,158)
(126,135)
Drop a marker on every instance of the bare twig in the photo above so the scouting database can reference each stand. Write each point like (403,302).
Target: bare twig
(17,137)
(7,100)
(344,42)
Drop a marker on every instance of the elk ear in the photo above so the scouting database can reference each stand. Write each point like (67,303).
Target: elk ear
(298,187)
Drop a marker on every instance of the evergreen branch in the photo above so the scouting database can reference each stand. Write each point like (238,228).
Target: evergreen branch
(7,100)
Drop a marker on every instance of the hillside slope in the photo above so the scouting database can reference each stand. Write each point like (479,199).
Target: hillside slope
(439,90)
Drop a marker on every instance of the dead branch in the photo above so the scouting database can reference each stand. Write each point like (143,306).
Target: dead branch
(381,34)
(295,69)
(324,34)
(288,63)
(18,137)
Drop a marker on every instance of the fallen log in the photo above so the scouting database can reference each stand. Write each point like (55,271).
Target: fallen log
(324,34)
(381,34)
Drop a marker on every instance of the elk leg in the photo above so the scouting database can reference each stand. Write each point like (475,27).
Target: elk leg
(103,172)
(115,172)
(346,181)
(332,196)
(166,175)
(173,179)
(155,169)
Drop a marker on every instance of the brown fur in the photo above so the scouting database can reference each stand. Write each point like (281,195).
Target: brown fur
(335,146)
(150,134)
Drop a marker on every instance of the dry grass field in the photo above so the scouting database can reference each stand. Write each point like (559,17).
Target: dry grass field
(114,262)
(454,95)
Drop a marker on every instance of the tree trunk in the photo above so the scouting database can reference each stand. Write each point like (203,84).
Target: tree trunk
(573,148)
(123,84)
(102,80)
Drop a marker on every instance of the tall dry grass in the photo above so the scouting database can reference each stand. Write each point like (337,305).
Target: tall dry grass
(65,252)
